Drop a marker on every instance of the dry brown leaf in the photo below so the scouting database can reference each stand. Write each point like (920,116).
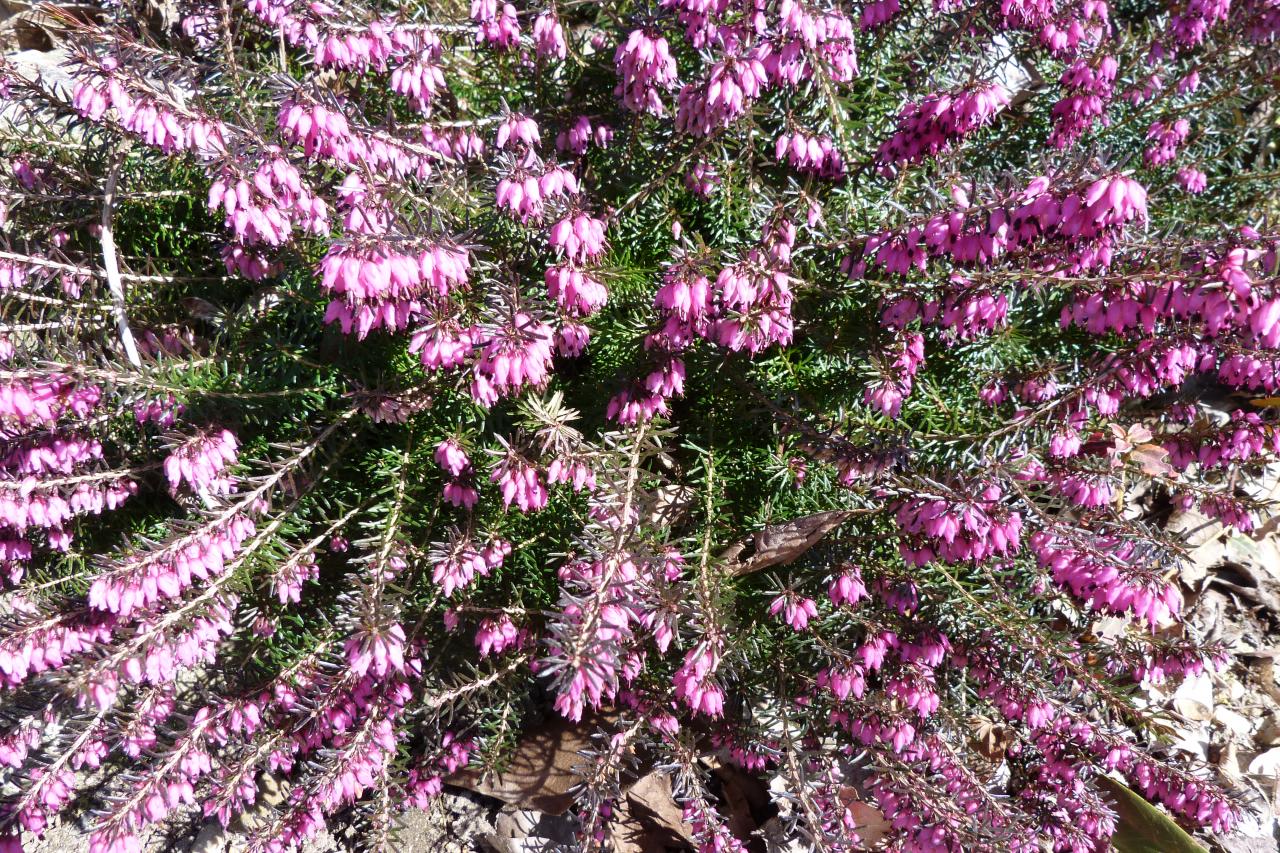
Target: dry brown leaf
(869,822)
(540,772)
(1234,722)
(652,801)
(1150,457)
(779,544)
(630,834)
(1237,843)
(742,794)
(40,27)
(527,831)
(670,505)
(1227,759)
(990,738)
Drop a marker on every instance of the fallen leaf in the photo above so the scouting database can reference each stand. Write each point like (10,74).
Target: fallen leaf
(744,797)
(1266,764)
(1150,457)
(630,834)
(869,822)
(669,506)
(540,772)
(779,544)
(526,831)
(652,798)
(1190,742)
(1194,698)
(1264,670)
(779,837)
(1268,733)
(990,738)
(1139,434)
(1227,759)
(1110,627)
(1236,843)
(1236,723)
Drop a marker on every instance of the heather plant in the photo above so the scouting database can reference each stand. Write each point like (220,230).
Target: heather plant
(805,383)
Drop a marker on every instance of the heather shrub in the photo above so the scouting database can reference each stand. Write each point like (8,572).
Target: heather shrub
(800,382)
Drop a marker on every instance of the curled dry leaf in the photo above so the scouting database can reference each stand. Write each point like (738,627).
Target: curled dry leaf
(779,544)
(990,738)
(1151,459)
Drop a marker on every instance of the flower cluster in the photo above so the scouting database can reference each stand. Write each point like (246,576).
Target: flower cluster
(377,287)
(200,462)
(929,126)
(956,530)
(1165,141)
(816,154)
(725,95)
(645,68)
(1091,90)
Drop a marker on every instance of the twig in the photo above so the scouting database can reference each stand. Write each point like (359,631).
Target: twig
(43,263)
(111,267)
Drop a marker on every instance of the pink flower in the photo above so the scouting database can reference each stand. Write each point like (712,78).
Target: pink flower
(499,29)
(1090,88)
(494,636)
(683,295)
(376,651)
(520,482)
(517,128)
(572,339)
(1166,141)
(796,611)
(582,133)
(729,89)
(201,461)
(695,681)
(930,126)
(442,345)
(645,67)
(816,154)
(288,580)
(548,36)
(576,472)
(878,13)
(579,238)
(512,356)
(847,587)
(576,291)
(1192,180)
(701,180)
(452,458)
(457,562)
(842,681)
(461,494)
(165,571)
